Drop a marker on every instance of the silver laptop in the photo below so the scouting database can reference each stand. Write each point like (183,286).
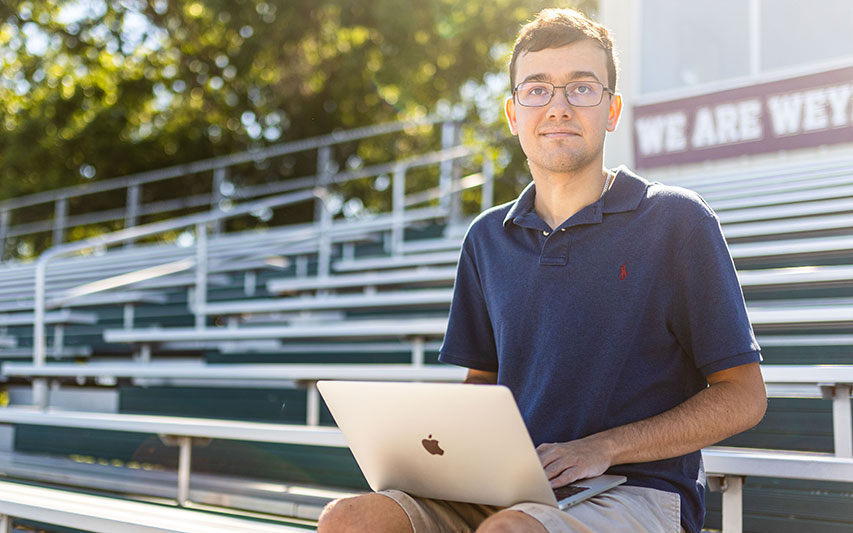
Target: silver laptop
(455,442)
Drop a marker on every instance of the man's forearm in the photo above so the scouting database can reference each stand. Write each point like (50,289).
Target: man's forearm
(735,401)
(710,416)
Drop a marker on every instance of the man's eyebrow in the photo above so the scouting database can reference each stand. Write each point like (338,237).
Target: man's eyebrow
(576,75)
(538,77)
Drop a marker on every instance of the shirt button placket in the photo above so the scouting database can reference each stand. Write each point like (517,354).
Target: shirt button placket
(552,248)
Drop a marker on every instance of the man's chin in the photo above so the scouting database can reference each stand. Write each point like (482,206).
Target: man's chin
(561,166)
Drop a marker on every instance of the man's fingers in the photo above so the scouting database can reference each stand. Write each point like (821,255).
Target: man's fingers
(553,453)
(567,476)
(565,463)
(552,470)
(557,467)
(547,454)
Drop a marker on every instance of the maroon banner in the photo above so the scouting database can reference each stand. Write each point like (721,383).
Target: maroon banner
(794,113)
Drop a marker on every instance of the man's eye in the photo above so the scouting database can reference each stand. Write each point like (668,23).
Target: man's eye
(583,89)
(538,90)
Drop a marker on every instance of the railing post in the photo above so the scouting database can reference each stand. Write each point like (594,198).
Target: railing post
(842,418)
(219,177)
(301,267)
(185,451)
(324,245)
(445,179)
(40,392)
(131,216)
(312,415)
(4,232)
(398,216)
(200,275)
(418,351)
(488,188)
(455,215)
(60,215)
(732,489)
(250,282)
(322,213)
(324,167)
(58,340)
(143,354)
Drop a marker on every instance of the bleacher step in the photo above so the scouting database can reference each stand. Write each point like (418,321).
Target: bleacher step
(351,329)
(411,298)
(431,245)
(391,262)
(267,496)
(27,353)
(102,514)
(53,317)
(420,275)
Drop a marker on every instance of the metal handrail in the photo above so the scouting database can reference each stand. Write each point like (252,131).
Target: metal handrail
(201,220)
(40,393)
(220,166)
(214,163)
(135,233)
(204,199)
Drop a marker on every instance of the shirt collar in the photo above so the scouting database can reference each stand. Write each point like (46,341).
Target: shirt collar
(523,204)
(626,193)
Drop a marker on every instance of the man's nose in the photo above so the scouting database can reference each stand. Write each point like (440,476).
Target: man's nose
(559,106)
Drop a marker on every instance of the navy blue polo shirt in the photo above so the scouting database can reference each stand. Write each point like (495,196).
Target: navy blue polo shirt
(615,316)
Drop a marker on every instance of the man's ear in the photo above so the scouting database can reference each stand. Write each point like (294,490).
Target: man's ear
(615,112)
(509,109)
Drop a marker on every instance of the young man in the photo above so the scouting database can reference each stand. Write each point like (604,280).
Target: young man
(609,305)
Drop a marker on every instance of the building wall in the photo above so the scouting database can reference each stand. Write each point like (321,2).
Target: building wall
(621,17)
(689,53)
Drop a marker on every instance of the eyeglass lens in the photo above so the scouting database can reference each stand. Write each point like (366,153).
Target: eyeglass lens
(579,93)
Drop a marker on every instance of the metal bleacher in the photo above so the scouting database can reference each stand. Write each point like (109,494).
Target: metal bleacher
(167,359)
(788,229)
(84,289)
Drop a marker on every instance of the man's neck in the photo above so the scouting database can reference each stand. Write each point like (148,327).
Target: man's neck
(559,195)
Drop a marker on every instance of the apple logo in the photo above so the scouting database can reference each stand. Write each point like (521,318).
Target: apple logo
(431,445)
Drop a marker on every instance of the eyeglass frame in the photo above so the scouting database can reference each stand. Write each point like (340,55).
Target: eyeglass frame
(604,89)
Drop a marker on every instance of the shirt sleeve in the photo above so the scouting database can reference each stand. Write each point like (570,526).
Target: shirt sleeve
(709,316)
(469,340)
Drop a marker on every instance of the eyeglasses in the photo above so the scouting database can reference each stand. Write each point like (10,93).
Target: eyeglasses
(578,93)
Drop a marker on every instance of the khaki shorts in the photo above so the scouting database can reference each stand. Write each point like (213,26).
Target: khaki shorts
(622,508)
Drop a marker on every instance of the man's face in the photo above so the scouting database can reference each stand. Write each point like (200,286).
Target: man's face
(559,137)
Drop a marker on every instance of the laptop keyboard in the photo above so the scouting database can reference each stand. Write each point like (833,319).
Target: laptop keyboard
(569,490)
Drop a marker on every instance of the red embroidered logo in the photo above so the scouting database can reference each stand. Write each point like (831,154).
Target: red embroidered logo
(623,271)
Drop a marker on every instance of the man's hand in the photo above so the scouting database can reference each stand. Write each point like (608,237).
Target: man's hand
(567,462)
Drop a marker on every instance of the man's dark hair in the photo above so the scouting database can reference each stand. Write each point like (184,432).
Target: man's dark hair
(555,28)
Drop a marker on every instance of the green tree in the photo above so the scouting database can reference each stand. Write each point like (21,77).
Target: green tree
(93,89)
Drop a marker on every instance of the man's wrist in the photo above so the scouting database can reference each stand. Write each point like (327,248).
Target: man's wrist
(607,443)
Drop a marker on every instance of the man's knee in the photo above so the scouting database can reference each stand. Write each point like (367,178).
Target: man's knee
(511,522)
(367,512)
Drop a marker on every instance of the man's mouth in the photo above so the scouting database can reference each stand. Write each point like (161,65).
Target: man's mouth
(557,134)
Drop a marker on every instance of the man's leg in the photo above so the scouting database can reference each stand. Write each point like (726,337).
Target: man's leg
(395,511)
(622,509)
(511,522)
(366,513)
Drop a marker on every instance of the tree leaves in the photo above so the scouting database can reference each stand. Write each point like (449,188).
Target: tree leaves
(93,89)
